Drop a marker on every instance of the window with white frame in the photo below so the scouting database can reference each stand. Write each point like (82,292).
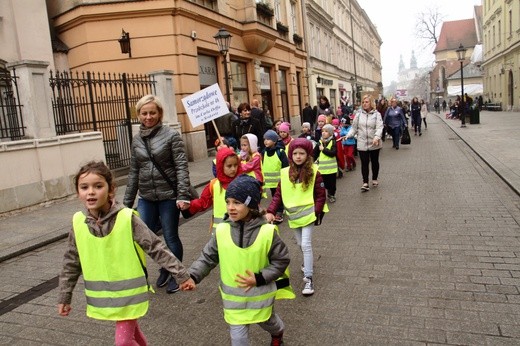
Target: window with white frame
(293,17)
(277,11)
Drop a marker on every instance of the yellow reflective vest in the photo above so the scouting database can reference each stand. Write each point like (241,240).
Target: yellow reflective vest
(327,164)
(255,305)
(299,204)
(219,203)
(113,270)
(271,167)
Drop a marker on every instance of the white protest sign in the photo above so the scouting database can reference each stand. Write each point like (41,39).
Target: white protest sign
(205,105)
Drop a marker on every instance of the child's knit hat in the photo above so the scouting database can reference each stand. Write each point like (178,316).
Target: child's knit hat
(285,127)
(303,143)
(307,125)
(245,189)
(322,117)
(335,121)
(328,128)
(271,135)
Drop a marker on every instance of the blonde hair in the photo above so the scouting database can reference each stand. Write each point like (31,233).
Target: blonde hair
(371,99)
(147,99)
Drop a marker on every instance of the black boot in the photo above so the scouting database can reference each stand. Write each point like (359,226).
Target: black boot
(162,280)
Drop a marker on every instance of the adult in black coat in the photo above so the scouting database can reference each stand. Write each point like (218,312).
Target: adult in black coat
(258,114)
(247,124)
(308,115)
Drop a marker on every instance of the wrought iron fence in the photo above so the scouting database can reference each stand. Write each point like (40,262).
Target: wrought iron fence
(86,101)
(11,120)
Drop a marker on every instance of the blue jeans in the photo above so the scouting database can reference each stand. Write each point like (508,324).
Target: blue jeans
(304,240)
(166,214)
(396,136)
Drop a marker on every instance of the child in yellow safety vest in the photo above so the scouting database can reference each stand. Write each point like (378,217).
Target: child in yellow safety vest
(302,194)
(325,154)
(273,160)
(228,168)
(253,263)
(107,245)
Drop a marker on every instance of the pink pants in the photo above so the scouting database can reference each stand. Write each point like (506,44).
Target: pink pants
(128,333)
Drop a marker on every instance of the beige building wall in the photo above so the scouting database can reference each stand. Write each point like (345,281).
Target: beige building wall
(168,35)
(24,31)
(501,53)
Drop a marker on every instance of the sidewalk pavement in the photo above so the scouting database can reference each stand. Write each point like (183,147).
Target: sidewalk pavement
(495,140)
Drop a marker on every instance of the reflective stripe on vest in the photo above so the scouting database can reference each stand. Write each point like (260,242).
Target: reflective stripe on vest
(299,204)
(115,282)
(255,305)
(219,203)
(327,164)
(271,167)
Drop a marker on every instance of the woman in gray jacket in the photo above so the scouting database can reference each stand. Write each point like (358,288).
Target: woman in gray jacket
(368,127)
(159,172)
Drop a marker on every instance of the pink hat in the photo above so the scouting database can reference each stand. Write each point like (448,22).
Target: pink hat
(285,127)
(321,117)
(335,122)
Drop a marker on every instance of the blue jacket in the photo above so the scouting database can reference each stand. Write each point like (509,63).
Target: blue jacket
(394,117)
(343,133)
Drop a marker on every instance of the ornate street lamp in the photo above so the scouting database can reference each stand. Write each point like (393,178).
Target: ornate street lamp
(223,39)
(124,42)
(461,55)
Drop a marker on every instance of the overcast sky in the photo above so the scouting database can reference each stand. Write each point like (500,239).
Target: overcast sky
(395,23)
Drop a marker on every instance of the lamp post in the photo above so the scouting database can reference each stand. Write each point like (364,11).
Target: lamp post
(461,55)
(354,91)
(223,39)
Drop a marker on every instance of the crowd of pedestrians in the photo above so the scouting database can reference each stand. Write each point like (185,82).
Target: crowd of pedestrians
(108,240)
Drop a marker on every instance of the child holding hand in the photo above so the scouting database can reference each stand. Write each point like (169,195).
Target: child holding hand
(325,152)
(253,261)
(107,245)
(302,194)
(227,167)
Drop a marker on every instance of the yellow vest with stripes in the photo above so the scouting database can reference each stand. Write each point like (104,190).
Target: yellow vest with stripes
(255,305)
(298,204)
(115,283)
(327,164)
(219,203)
(271,167)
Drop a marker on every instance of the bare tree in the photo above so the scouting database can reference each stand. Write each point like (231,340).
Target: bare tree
(428,25)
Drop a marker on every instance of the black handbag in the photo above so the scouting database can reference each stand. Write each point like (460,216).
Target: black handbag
(405,138)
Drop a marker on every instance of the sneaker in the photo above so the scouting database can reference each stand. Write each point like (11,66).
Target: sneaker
(277,340)
(163,278)
(309,288)
(420,134)
(173,286)
(365,188)
(332,199)
(278,219)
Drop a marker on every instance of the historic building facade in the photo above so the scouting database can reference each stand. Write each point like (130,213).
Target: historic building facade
(343,49)
(501,53)
(266,58)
